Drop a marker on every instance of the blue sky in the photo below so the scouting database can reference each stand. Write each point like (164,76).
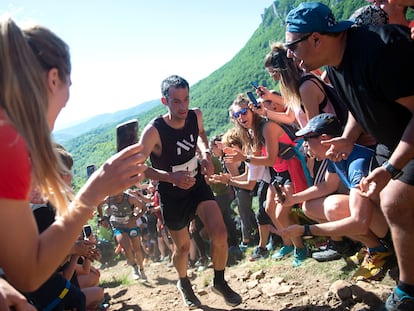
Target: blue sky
(122,50)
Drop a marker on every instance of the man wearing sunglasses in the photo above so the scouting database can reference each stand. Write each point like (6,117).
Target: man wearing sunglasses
(370,68)
(337,215)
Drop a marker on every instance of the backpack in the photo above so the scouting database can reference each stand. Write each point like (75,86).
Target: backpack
(341,111)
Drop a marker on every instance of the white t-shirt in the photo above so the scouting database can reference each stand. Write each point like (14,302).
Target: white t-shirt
(258,172)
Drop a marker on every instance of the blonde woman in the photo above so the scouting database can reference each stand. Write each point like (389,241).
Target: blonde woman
(34,87)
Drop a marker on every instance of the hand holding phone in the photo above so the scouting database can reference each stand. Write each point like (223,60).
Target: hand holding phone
(126,134)
(255,85)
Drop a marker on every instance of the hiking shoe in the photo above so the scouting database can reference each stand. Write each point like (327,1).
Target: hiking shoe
(259,253)
(299,256)
(186,291)
(359,256)
(230,296)
(135,272)
(284,251)
(375,265)
(399,300)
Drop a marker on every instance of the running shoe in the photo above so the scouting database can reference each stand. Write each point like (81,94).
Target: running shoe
(259,253)
(284,251)
(299,256)
(230,296)
(399,300)
(186,291)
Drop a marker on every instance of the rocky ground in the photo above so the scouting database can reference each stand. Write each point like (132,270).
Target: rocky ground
(264,285)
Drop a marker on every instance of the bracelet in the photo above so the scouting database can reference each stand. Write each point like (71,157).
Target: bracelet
(307,232)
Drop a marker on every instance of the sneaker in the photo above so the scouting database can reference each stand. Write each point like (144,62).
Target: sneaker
(375,265)
(135,273)
(259,253)
(299,256)
(399,300)
(201,264)
(189,298)
(328,254)
(284,251)
(230,296)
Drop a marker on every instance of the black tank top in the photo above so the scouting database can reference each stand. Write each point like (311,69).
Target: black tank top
(178,145)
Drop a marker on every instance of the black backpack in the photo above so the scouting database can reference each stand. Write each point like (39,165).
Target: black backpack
(339,106)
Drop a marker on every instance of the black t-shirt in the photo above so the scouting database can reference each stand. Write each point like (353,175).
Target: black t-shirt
(374,73)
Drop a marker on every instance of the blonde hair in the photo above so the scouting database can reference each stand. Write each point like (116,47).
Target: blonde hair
(290,74)
(24,99)
(251,141)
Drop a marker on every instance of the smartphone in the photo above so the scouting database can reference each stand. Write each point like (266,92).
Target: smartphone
(255,85)
(126,134)
(87,231)
(277,183)
(253,100)
(90,169)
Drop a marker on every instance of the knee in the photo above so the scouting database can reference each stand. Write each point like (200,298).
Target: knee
(219,235)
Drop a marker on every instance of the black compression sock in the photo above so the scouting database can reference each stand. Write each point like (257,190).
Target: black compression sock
(218,276)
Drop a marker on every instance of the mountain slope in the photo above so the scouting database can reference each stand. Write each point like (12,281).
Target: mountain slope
(213,95)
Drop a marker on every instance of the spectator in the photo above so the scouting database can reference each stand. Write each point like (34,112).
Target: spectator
(261,147)
(244,195)
(223,195)
(352,215)
(170,141)
(380,98)
(34,87)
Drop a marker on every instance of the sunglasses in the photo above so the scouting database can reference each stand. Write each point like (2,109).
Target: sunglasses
(292,45)
(242,112)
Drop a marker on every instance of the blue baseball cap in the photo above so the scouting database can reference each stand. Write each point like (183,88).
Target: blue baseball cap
(324,123)
(314,17)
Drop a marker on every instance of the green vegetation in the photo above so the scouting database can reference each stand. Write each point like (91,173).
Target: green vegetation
(213,94)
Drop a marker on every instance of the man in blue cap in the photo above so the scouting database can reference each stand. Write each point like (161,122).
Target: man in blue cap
(370,68)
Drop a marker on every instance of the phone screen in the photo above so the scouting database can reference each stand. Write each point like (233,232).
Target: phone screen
(90,169)
(126,134)
(255,85)
(253,99)
(87,231)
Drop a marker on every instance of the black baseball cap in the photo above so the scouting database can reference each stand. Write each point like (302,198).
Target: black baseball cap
(324,123)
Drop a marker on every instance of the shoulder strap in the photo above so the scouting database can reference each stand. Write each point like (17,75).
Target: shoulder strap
(320,84)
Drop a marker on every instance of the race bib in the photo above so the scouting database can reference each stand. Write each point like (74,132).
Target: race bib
(189,166)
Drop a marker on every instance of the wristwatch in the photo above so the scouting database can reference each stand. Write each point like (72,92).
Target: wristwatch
(395,173)
(247,159)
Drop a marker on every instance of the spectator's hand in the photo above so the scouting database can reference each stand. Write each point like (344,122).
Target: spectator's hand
(372,185)
(11,299)
(291,232)
(287,199)
(120,171)
(339,149)
(263,92)
(83,248)
(233,155)
(182,179)
(222,178)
